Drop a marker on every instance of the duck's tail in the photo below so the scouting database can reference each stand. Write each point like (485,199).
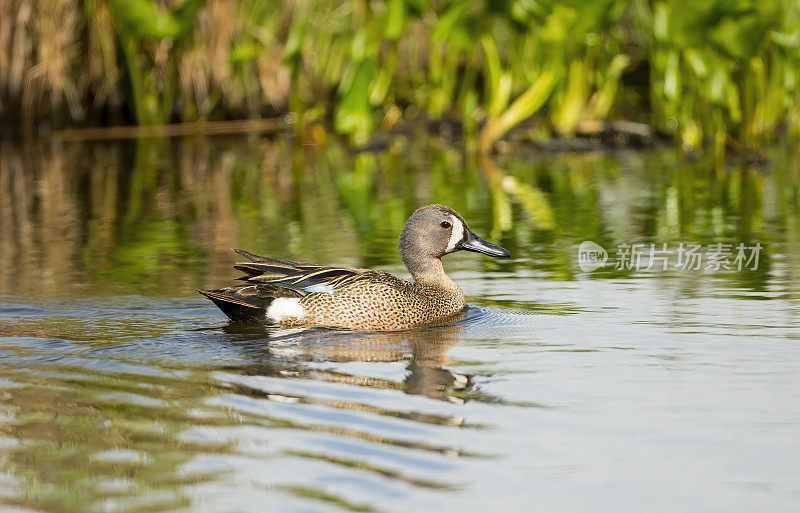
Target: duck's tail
(236,307)
(247,303)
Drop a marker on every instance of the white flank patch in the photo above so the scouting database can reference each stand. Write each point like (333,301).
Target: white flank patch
(285,308)
(456,235)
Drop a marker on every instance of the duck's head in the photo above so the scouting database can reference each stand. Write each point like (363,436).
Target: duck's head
(433,231)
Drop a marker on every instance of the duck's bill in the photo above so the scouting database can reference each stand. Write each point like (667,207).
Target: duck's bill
(478,245)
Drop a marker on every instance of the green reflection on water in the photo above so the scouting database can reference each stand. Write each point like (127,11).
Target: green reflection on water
(160,216)
(87,441)
(83,439)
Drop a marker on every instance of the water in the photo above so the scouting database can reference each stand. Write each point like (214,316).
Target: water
(557,390)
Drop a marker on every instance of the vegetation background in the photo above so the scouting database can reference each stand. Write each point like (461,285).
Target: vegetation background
(721,74)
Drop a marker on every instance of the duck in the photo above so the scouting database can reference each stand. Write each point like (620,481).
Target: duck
(295,294)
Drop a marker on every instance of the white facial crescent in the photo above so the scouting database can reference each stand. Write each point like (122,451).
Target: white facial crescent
(456,234)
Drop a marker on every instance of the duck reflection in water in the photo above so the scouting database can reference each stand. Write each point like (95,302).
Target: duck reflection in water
(425,349)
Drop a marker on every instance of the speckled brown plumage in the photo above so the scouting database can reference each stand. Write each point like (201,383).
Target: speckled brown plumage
(363,299)
(375,300)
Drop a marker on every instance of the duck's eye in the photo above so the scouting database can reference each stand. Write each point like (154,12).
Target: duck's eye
(446,224)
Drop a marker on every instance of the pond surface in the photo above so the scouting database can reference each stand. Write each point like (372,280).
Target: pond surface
(623,388)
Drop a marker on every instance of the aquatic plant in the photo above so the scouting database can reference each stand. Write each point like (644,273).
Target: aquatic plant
(725,69)
(719,72)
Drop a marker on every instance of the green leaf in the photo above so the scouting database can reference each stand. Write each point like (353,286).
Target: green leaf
(354,114)
(143,18)
(394,19)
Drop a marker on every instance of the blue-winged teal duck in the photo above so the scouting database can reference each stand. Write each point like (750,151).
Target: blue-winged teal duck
(298,294)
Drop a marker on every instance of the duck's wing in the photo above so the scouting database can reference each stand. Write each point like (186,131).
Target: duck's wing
(298,277)
(270,278)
